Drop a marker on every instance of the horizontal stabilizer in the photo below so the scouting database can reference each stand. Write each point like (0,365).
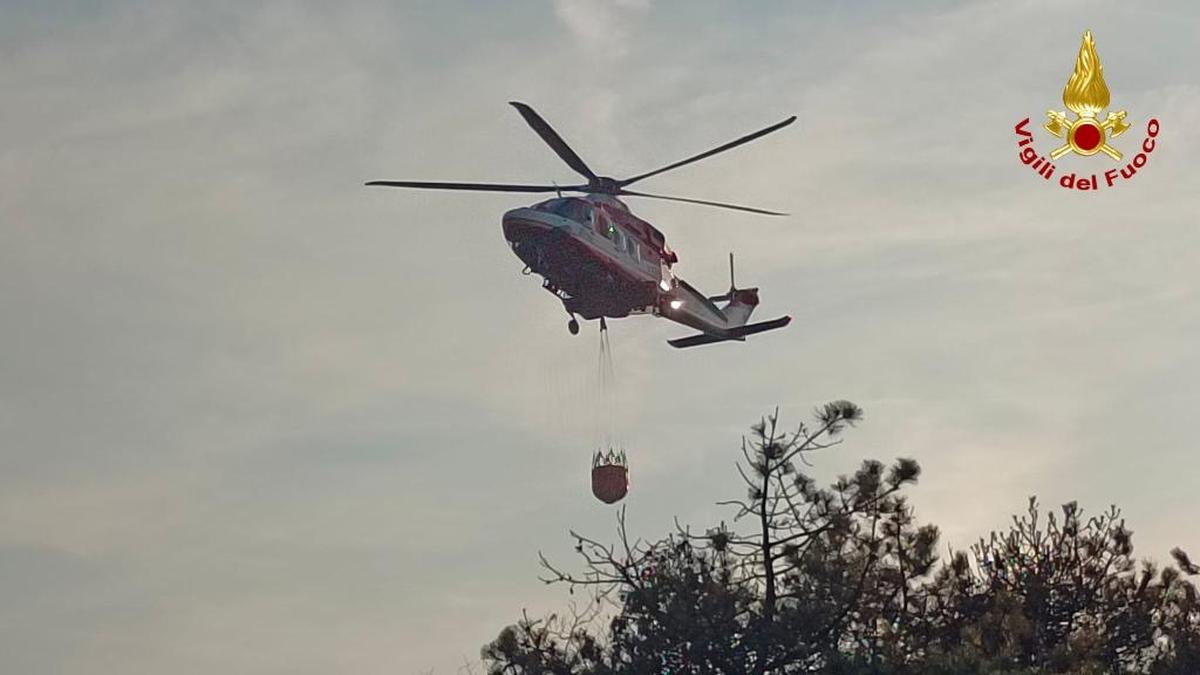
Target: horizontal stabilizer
(738,333)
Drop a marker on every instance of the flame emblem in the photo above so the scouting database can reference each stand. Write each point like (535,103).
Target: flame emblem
(1086,95)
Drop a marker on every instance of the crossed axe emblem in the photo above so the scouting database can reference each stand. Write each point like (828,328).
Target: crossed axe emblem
(1058,125)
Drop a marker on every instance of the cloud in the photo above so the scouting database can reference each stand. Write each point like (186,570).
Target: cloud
(602,28)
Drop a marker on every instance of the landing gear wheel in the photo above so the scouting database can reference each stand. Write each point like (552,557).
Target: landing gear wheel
(573,326)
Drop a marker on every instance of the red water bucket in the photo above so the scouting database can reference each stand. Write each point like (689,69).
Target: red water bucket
(610,477)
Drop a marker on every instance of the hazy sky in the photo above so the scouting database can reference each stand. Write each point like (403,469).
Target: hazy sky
(257,418)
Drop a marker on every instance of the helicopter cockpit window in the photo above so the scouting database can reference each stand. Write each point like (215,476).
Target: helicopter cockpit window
(604,227)
(568,207)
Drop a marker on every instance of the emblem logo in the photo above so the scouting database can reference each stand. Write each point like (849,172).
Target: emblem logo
(1086,95)
(1084,132)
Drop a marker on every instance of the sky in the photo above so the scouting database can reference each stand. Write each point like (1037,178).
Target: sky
(258,418)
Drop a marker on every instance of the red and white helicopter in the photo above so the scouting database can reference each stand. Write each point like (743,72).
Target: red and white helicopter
(603,261)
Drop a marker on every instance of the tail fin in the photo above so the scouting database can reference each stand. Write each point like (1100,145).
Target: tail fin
(738,334)
(741,302)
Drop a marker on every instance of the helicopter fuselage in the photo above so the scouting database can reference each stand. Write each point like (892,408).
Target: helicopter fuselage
(602,261)
(595,256)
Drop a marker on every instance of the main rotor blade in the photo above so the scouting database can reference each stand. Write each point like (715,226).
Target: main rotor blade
(552,139)
(728,146)
(479,187)
(701,201)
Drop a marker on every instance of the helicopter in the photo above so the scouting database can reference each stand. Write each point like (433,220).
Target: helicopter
(601,261)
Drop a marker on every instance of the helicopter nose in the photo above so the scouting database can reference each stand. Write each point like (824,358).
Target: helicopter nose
(530,218)
(525,223)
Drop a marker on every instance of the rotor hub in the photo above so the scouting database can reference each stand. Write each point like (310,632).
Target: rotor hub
(605,185)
